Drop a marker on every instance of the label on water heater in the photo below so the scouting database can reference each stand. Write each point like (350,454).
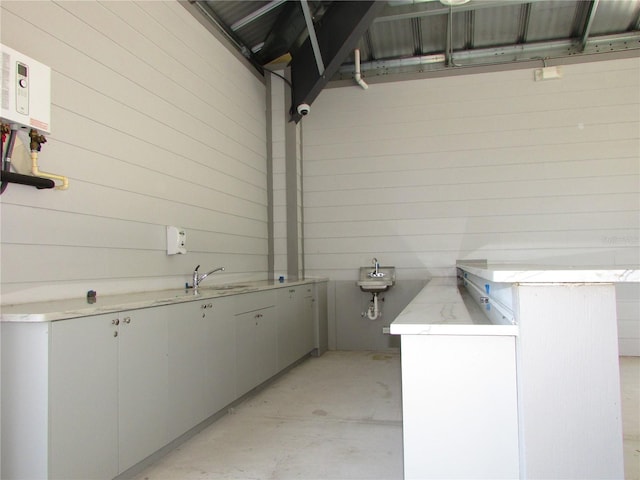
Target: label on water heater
(22,88)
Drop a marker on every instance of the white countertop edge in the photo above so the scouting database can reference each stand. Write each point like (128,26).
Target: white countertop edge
(506,273)
(421,317)
(51,311)
(445,329)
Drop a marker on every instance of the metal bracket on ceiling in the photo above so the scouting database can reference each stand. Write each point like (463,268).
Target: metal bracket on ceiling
(312,36)
(256,14)
(587,28)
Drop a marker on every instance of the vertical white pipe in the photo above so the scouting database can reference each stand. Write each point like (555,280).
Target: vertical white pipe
(357,76)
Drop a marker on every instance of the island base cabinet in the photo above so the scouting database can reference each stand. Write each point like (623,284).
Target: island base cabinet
(83,405)
(460,417)
(570,381)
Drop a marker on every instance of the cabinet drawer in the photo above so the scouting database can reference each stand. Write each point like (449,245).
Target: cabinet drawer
(248,302)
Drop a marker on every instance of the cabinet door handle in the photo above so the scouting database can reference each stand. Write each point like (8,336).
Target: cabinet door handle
(115,321)
(127,320)
(115,334)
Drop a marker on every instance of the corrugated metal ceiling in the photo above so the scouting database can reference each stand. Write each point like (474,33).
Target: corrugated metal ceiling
(418,35)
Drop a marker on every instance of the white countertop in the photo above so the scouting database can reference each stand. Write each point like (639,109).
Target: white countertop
(79,307)
(440,309)
(515,273)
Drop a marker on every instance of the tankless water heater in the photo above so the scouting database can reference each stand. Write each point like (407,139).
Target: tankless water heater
(25,99)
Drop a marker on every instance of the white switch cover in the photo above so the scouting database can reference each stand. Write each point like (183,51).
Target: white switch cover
(176,240)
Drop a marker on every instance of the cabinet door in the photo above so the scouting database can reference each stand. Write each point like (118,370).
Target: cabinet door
(266,345)
(246,356)
(83,412)
(286,316)
(256,354)
(320,319)
(220,355)
(187,342)
(307,334)
(143,389)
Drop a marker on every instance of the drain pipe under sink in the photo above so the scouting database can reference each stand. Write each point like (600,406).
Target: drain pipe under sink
(373,311)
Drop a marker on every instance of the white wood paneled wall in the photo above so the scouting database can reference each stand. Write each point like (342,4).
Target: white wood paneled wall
(155,123)
(423,172)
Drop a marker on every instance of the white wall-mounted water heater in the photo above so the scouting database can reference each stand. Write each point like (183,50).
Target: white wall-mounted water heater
(25,99)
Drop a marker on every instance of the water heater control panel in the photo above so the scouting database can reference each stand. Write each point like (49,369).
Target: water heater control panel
(25,98)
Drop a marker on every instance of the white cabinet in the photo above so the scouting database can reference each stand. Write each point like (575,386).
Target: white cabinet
(83,398)
(202,357)
(295,323)
(90,397)
(186,364)
(99,397)
(220,354)
(256,341)
(459,407)
(142,384)
(320,319)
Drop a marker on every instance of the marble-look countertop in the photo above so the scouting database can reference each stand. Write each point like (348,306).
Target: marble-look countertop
(440,309)
(515,273)
(79,307)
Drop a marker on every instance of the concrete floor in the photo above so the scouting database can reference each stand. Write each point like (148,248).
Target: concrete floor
(334,417)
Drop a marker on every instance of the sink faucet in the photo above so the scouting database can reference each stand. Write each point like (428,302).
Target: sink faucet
(197,279)
(376,265)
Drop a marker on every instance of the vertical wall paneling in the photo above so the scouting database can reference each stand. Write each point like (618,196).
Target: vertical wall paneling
(155,123)
(420,173)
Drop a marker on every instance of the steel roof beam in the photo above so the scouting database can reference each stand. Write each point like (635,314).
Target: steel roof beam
(338,34)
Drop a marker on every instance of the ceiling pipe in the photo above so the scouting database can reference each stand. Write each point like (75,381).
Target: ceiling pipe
(357,76)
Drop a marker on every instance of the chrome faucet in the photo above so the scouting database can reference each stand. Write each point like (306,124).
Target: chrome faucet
(376,272)
(197,279)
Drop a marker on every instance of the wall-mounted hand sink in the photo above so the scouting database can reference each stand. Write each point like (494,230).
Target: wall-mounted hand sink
(372,280)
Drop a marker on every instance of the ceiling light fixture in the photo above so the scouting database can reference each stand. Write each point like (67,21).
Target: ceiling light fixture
(453,3)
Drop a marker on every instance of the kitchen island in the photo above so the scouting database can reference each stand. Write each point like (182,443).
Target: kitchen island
(520,382)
